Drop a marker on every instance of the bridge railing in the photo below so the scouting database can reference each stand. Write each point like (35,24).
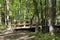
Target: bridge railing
(20,23)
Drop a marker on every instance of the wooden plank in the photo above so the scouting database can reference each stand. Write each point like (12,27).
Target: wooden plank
(23,24)
(23,20)
(22,27)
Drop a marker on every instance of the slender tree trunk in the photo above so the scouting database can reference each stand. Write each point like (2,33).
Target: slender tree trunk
(37,15)
(19,8)
(7,22)
(41,11)
(25,13)
(59,6)
(50,26)
(45,29)
(53,9)
(19,13)
(0,14)
(52,15)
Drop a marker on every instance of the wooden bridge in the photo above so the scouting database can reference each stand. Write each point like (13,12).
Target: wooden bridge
(19,24)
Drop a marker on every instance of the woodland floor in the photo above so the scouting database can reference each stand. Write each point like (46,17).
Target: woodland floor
(18,35)
(28,35)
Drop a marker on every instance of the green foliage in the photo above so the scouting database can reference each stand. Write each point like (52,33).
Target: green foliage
(13,6)
(14,9)
(57,36)
(44,36)
(2,27)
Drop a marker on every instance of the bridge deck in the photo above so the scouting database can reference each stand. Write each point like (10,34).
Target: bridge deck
(23,26)
(26,26)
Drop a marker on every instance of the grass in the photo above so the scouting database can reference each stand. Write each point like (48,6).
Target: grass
(45,36)
(57,36)
(2,27)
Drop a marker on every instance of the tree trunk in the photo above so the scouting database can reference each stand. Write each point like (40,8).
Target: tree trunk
(45,28)
(41,11)
(0,14)
(25,12)
(52,15)
(19,13)
(53,9)
(37,15)
(7,22)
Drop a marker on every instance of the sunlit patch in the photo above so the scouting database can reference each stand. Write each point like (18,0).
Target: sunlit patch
(10,13)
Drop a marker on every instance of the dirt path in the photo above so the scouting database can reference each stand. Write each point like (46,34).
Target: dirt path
(19,35)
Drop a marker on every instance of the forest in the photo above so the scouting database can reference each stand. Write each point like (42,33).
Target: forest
(42,16)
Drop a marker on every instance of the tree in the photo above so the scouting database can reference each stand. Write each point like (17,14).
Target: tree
(0,13)
(25,12)
(41,11)
(19,12)
(52,15)
(36,14)
(7,21)
(45,16)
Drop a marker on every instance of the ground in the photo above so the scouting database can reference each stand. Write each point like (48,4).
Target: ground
(28,35)
(18,35)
